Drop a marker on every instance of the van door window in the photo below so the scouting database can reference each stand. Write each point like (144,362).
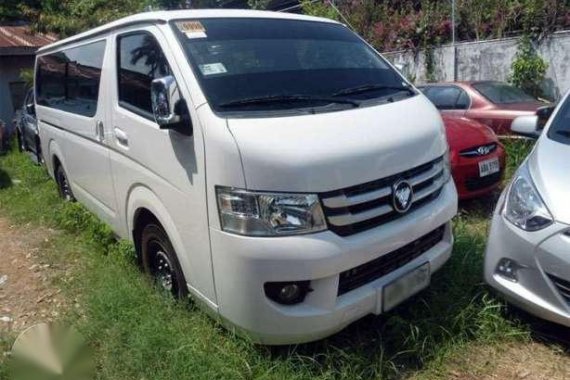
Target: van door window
(140,61)
(69,80)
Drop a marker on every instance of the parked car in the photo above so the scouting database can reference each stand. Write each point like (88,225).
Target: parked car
(477,156)
(266,163)
(495,104)
(527,252)
(27,128)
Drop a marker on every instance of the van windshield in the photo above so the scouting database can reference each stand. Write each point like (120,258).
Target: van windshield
(250,64)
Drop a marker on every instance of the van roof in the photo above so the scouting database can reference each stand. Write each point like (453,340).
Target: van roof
(166,16)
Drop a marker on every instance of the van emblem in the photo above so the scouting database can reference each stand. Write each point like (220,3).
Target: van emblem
(402,195)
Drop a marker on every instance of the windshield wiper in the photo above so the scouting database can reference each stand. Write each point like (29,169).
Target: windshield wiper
(372,87)
(286,99)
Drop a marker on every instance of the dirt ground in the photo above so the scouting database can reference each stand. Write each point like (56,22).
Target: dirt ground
(27,294)
(529,361)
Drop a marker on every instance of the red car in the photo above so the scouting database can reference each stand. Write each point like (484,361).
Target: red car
(494,104)
(477,156)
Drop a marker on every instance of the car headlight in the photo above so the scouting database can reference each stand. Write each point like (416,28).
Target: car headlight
(524,207)
(269,214)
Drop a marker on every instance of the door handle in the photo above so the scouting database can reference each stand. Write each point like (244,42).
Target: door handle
(121,136)
(100,131)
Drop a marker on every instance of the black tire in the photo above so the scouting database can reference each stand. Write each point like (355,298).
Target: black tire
(20,138)
(39,156)
(159,261)
(63,185)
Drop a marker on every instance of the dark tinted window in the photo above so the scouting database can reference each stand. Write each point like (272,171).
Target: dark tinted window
(141,60)
(239,59)
(463,102)
(444,98)
(502,93)
(69,80)
(560,127)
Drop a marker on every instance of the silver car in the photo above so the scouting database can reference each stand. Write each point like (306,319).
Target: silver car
(528,252)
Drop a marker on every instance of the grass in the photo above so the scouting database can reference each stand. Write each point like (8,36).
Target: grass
(138,333)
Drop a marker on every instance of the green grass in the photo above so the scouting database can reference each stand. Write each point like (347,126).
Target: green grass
(138,333)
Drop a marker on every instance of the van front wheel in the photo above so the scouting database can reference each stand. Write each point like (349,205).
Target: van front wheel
(160,262)
(63,185)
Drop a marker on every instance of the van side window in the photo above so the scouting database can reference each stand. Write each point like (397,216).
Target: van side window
(140,61)
(69,80)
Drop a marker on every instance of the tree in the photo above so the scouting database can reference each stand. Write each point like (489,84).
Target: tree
(13,10)
(528,68)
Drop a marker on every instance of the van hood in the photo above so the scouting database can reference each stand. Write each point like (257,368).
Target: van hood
(549,164)
(334,150)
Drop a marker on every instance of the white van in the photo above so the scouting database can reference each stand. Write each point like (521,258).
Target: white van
(272,165)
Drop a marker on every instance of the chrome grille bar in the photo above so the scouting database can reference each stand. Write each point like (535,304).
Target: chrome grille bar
(368,205)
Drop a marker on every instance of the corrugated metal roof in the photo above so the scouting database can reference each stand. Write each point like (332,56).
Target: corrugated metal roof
(21,37)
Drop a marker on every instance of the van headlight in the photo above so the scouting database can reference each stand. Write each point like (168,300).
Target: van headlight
(524,207)
(269,214)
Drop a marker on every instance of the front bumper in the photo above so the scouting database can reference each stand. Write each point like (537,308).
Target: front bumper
(243,264)
(465,172)
(542,258)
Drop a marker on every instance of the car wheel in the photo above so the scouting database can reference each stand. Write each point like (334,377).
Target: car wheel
(63,185)
(38,152)
(20,138)
(160,262)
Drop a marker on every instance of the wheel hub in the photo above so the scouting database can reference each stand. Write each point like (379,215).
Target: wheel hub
(164,273)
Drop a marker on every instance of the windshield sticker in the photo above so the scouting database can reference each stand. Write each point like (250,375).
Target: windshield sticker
(213,68)
(192,29)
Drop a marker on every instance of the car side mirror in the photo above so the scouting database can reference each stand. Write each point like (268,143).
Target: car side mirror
(31,109)
(526,126)
(169,108)
(544,114)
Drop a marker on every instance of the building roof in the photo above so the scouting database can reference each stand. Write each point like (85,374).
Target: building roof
(20,40)
(162,17)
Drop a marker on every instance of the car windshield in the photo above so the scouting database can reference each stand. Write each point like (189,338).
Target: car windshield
(250,64)
(502,93)
(560,128)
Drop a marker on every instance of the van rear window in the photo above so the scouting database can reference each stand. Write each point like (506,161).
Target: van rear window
(69,80)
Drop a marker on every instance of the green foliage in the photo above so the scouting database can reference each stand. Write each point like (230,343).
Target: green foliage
(411,24)
(27,75)
(258,4)
(319,9)
(528,68)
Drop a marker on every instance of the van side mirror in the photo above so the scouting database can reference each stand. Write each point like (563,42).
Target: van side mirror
(169,108)
(526,126)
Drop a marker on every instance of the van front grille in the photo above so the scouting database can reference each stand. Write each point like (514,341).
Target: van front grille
(563,287)
(373,270)
(362,207)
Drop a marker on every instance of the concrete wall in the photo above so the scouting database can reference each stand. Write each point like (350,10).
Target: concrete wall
(10,66)
(490,60)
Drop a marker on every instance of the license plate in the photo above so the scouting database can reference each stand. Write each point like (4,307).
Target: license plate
(489,167)
(406,286)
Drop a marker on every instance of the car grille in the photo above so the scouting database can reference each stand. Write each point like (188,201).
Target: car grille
(478,183)
(373,270)
(361,207)
(479,151)
(563,287)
